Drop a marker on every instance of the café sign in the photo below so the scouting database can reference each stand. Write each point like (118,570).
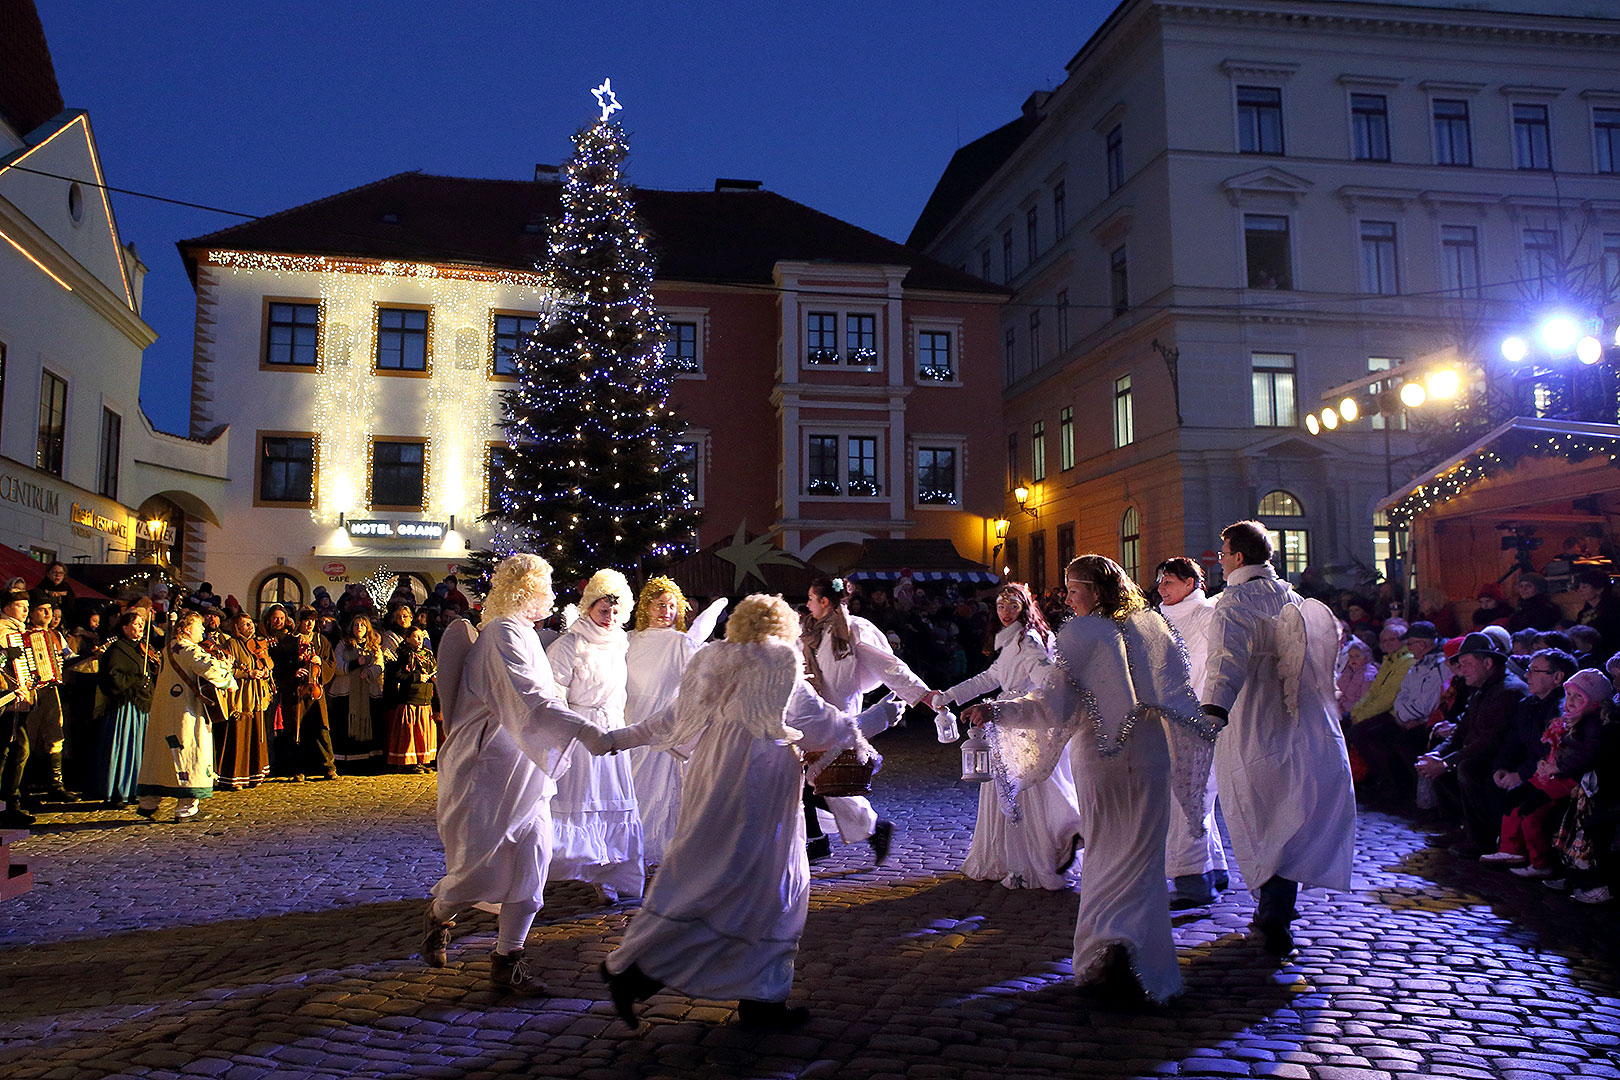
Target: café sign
(384,529)
(86,518)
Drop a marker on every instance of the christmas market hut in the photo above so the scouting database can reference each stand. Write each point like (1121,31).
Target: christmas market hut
(1534,494)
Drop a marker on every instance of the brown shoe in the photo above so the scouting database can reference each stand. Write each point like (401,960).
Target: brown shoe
(435,950)
(509,974)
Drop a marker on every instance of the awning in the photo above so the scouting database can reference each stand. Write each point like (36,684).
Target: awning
(924,560)
(14,563)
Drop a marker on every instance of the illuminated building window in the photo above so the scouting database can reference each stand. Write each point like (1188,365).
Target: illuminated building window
(1066,438)
(860,340)
(934,362)
(687,475)
(1273,386)
(290,333)
(285,468)
(398,474)
(402,340)
(52,423)
(282,589)
(1130,543)
(1037,452)
(842,465)
(821,337)
(681,346)
(511,331)
(937,476)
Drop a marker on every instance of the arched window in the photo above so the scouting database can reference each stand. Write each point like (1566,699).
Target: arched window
(283,589)
(1130,543)
(1280,504)
(1291,541)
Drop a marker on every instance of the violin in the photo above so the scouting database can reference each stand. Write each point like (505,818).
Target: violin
(309,670)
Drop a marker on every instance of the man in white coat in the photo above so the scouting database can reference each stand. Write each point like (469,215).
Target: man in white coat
(506,739)
(1196,864)
(1284,780)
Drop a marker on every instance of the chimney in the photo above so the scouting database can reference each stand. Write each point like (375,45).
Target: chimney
(547,174)
(727,183)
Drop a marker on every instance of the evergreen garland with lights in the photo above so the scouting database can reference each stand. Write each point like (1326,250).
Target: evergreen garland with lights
(587,481)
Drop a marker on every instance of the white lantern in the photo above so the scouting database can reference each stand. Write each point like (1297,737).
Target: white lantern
(945,725)
(975,758)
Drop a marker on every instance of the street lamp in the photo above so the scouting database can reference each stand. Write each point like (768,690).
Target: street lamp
(1022,493)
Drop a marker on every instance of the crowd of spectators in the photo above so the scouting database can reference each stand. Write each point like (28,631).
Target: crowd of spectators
(1509,730)
(333,686)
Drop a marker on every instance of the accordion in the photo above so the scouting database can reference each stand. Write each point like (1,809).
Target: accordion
(32,659)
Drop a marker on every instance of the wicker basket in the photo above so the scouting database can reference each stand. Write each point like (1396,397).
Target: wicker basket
(846,775)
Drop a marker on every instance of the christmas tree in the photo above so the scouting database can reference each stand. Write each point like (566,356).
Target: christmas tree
(591,437)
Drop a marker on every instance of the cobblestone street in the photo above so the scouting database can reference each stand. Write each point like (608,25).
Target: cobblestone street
(274,938)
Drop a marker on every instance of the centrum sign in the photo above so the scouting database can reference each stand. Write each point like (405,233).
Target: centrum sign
(384,529)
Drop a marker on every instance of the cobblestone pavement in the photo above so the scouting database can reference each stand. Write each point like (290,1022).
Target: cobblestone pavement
(273,938)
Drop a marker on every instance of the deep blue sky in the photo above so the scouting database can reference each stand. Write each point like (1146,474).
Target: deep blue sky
(852,108)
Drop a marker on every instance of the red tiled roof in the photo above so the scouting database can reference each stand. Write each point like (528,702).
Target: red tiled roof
(733,236)
(29,94)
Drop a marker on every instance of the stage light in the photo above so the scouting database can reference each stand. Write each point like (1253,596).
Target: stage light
(1312,424)
(1443,385)
(1515,349)
(1349,410)
(1330,419)
(1413,395)
(1589,350)
(1558,334)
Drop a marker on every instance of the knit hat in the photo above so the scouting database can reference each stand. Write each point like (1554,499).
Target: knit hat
(1422,630)
(1593,683)
(607,583)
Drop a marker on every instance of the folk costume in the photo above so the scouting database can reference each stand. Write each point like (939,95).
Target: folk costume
(1022,853)
(126,672)
(244,755)
(412,737)
(1196,863)
(355,705)
(725,913)
(1281,762)
(1116,698)
(596,827)
(177,760)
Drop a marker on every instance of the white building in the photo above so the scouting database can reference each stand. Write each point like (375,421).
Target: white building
(1265,199)
(82,471)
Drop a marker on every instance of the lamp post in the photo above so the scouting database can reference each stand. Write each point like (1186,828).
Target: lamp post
(155,527)
(1022,493)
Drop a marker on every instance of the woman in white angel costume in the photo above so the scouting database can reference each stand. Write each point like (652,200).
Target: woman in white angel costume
(596,825)
(848,657)
(660,647)
(506,740)
(1036,850)
(725,913)
(1116,695)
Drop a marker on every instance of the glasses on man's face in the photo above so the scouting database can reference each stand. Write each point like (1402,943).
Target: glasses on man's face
(1538,671)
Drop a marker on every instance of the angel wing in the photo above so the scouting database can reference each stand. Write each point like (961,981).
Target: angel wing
(1307,644)
(703,625)
(1292,646)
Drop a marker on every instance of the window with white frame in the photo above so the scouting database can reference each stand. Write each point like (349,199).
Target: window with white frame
(1459,259)
(1290,540)
(860,339)
(1369,127)
(1273,382)
(1037,451)
(1260,120)
(687,470)
(1124,413)
(934,360)
(1606,139)
(839,463)
(938,482)
(1541,256)
(1379,273)
(681,346)
(1453,145)
(511,331)
(112,439)
(821,337)
(1532,137)
(1267,256)
(1066,438)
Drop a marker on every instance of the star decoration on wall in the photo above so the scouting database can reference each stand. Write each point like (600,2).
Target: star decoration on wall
(606,100)
(751,556)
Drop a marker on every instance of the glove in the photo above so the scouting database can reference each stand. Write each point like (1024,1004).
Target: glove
(595,740)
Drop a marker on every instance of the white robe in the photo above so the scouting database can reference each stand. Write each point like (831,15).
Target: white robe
(725,913)
(1285,786)
(869,664)
(1022,853)
(1108,701)
(506,736)
(1186,854)
(596,830)
(656,660)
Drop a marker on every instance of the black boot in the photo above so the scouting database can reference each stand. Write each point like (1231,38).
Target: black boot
(509,974)
(58,791)
(627,988)
(771,1015)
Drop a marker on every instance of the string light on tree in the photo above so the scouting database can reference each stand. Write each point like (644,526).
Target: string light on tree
(591,437)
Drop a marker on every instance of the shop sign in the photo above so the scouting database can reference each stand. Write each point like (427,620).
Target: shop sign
(86,518)
(335,570)
(383,529)
(26,493)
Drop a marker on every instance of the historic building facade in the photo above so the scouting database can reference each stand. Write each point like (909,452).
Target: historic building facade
(358,347)
(1228,208)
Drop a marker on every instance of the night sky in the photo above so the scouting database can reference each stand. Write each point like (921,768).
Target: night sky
(853,109)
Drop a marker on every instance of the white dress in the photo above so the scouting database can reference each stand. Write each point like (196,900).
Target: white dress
(656,660)
(1023,853)
(1115,691)
(506,736)
(1185,854)
(596,828)
(1285,784)
(725,913)
(869,664)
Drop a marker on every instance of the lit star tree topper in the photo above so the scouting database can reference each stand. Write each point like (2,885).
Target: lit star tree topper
(592,440)
(606,99)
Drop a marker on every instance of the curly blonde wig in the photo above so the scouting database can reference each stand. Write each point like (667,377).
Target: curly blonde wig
(607,583)
(520,586)
(656,587)
(763,618)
